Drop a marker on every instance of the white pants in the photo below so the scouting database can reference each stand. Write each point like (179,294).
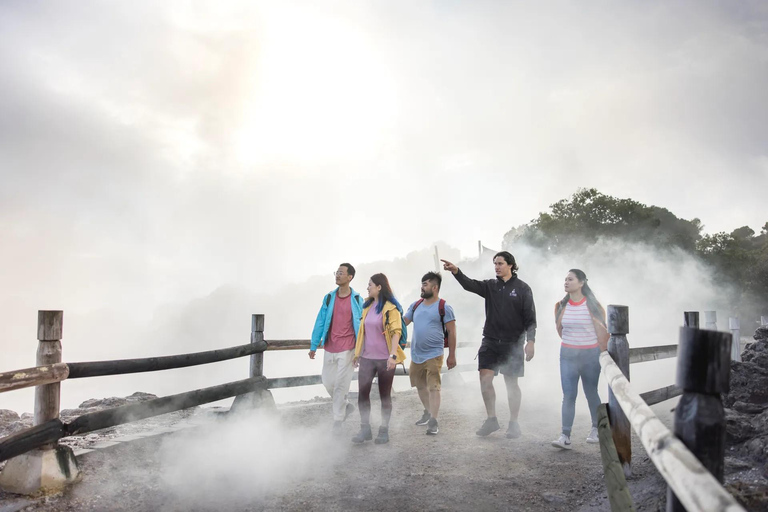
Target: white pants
(337,375)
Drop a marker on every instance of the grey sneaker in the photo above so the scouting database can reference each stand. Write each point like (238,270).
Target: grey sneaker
(424,418)
(592,437)
(337,430)
(513,432)
(563,442)
(432,427)
(383,436)
(489,426)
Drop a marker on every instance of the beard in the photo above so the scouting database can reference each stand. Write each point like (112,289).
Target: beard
(427,295)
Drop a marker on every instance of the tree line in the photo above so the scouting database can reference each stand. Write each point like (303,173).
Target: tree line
(738,259)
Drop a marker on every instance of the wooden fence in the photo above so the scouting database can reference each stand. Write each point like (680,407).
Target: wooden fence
(50,372)
(692,459)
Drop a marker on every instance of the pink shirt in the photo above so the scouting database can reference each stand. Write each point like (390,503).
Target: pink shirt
(578,329)
(374,343)
(342,335)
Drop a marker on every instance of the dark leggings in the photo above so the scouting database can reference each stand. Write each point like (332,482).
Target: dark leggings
(368,369)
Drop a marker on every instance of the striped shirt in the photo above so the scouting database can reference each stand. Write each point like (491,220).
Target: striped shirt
(578,329)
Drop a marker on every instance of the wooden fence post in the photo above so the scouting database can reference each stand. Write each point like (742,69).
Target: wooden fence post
(735,328)
(710,320)
(703,372)
(618,348)
(691,319)
(257,337)
(52,466)
(261,397)
(764,320)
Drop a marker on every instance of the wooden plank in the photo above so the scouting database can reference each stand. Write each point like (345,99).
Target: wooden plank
(696,488)
(134,412)
(37,376)
(31,438)
(47,396)
(615,482)
(661,395)
(153,364)
(643,354)
(309,380)
(305,344)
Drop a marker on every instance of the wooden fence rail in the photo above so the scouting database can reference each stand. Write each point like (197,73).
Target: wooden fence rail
(692,462)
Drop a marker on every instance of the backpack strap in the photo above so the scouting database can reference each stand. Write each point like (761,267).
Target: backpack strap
(417,304)
(327,300)
(441,310)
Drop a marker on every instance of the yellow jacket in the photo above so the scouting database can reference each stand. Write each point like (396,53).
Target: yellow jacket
(395,326)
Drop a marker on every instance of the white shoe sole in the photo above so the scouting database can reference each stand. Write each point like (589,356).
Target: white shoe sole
(593,441)
(561,446)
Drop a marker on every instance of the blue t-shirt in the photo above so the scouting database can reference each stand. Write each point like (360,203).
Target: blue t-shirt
(428,341)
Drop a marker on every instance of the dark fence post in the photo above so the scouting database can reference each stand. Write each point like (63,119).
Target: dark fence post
(52,466)
(703,372)
(261,397)
(257,337)
(618,348)
(691,319)
(710,320)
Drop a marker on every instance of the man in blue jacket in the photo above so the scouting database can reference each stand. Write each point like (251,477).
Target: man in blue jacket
(336,331)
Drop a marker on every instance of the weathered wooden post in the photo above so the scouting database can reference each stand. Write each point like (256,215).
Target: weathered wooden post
(703,373)
(735,328)
(710,320)
(52,466)
(764,320)
(691,319)
(618,348)
(260,397)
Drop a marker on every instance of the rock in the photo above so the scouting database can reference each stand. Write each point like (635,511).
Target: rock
(109,403)
(27,416)
(749,384)
(8,416)
(739,427)
(761,333)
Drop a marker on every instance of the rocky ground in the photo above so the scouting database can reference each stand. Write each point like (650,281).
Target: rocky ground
(289,461)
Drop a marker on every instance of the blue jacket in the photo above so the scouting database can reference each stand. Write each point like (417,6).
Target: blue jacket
(323,322)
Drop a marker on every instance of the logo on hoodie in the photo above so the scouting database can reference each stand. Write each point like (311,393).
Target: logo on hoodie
(513,293)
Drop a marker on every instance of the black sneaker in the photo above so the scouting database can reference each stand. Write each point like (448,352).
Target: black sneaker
(424,418)
(513,432)
(432,427)
(383,436)
(364,434)
(349,409)
(490,426)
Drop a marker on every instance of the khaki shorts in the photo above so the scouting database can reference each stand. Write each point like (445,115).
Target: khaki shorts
(427,374)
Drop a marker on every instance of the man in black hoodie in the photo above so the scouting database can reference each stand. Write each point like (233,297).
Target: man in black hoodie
(510,319)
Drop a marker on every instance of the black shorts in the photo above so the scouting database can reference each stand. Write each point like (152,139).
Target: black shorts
(502,356)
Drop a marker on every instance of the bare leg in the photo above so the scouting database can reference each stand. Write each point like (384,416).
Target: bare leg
(434,403)
(514,395)
(488,392)
(424,397)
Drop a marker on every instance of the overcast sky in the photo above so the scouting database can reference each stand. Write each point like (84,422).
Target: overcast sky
(151,151)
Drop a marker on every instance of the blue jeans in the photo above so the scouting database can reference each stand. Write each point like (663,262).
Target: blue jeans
(575,363)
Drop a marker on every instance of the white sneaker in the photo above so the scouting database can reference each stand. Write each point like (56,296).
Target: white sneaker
(592,437)
(563,442)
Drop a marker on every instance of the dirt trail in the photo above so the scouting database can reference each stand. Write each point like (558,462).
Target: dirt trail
(297,465)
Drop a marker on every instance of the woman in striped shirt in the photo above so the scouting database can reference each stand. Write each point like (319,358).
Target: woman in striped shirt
(580,321)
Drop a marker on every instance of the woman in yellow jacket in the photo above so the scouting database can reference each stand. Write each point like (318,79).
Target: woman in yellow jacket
(378,352)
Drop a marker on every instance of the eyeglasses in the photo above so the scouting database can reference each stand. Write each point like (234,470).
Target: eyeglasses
(339,274)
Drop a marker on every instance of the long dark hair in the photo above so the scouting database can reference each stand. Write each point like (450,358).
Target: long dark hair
(593,304)
(384,295)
